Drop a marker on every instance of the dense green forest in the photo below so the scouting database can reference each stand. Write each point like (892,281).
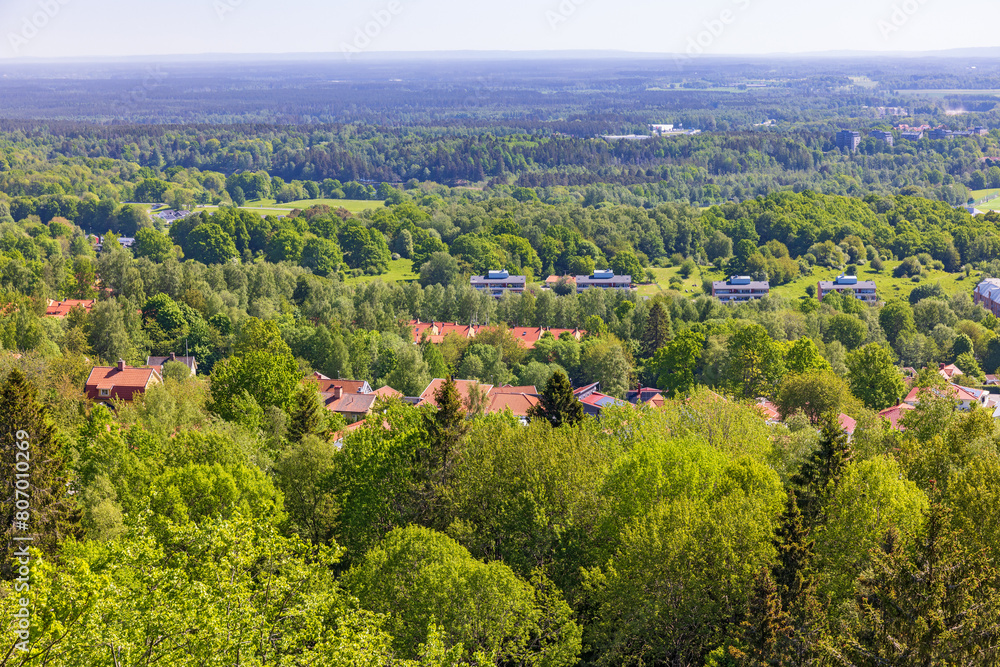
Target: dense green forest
(766,514)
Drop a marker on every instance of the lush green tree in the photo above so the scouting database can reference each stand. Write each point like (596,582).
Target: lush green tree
(658,329)
(970,367)
(605,360)
(558,404)
(35,503)
(262,366)
(209,244)
(625,263)
(933,602)
(962,344)
(302,473)
(896,319)
(873,377)
(307,416)
(153,244)
(847,329)
(439,269)
(755,366)
(416,574)
(285,246)
(321,256)
(814,393)
(803,356)
(675,363)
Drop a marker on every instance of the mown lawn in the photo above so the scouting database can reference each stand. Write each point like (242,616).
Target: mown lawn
(269,207)
(888,286)
(399,271)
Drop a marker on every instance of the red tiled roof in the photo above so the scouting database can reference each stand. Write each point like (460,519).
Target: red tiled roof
(768,409)
(518,404)
(464,389)
(353,404)
(895,414)
(847,424)
(61,308)
(349,386)
(387,392)
(507,389)
(122,384)
(955,391)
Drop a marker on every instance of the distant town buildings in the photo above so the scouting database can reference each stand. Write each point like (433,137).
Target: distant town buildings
(498,282)
(882,135)
(60,309)
(987,295)
(848,139)
(864,290)
(912,135)
(739,289)
(891,111)
(602,279)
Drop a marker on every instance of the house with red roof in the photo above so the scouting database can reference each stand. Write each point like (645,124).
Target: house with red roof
(594,401)
(645,396)
(466,390)
(949,371)
(60,309)
(353,407)
(966,397)
(119,382)
(895,414)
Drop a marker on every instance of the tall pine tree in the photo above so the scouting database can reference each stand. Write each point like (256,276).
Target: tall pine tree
(28,439)
(658,329)
(307,414)
(558,404)
(435,460)
(932,602)
(820,475)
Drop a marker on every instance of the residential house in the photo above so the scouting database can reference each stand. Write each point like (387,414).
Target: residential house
(950,371)
(353,407)
(498,282)
(602,279)
(895,414)
(987,295)
(119,382)
(190,362)
(864,290)
(739,289)
(594,401)
(645,396)
(964,396)
(60,309)
(489,398)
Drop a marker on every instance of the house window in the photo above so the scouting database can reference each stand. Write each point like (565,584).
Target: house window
(105,392)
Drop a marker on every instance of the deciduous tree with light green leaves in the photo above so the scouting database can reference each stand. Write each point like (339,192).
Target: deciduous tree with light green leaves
(874,378)
(417,574)
(675,363)
(755,366)
(261,365)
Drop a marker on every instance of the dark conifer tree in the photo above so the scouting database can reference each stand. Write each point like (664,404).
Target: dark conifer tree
(307,414)
(28,440)
(932,602)
(558,404)
(820,475)
(658,330)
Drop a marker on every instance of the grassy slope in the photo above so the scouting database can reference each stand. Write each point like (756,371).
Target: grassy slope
(269,207)
(399,271)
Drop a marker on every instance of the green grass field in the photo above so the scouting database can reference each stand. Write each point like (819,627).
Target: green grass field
(992,204)
(270,207)
(399,272)
(888,286)
(943,92)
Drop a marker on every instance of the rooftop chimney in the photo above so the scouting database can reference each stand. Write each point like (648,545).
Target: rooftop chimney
(338,392)
(121,364)
(173,356)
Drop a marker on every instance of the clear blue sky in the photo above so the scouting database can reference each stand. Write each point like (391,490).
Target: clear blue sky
(85,28)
